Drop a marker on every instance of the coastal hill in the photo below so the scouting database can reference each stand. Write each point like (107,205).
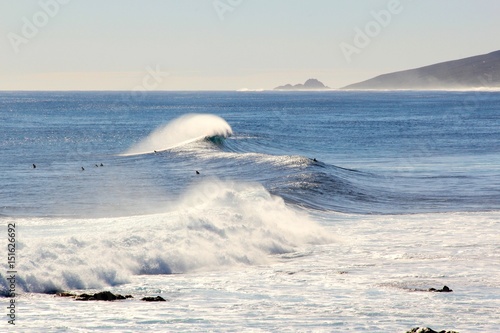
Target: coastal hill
(312,84)
(482,71)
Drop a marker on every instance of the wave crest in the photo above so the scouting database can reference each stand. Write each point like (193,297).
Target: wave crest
(181,131)
(215,224)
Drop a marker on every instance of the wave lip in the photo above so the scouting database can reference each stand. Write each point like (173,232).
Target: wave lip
(181,131)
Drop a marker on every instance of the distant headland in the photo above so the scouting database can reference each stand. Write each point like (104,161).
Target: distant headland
(311,84)
(482,71)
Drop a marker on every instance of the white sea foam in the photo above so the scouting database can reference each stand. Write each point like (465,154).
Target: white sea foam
(362,283)
(180,131)
(258,158)
(215,224)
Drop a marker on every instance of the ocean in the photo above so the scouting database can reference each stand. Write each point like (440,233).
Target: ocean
(250,211)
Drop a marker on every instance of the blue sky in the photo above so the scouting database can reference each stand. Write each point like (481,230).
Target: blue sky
(231,44)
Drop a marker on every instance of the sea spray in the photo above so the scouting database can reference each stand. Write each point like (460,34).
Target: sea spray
(185,129)
(215,224)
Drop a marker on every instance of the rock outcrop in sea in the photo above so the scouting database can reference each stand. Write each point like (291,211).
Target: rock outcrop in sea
(427,330)
(101,296)
(153,299)
(311,84)
(108,296)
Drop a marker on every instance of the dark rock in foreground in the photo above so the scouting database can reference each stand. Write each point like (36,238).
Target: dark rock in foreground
(153,299)
(427,330)
(108,296)
(102,296)
(445,289)
(482,71)
(311,84)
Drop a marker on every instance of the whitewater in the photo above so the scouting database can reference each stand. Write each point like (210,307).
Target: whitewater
(252,211)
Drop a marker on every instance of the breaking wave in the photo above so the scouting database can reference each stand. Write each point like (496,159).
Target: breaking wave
(214,224)
(181,131)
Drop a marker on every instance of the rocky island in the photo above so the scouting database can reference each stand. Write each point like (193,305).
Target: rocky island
(311,84)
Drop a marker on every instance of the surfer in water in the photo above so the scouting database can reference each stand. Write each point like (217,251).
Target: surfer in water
(34,166)
(197,172)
